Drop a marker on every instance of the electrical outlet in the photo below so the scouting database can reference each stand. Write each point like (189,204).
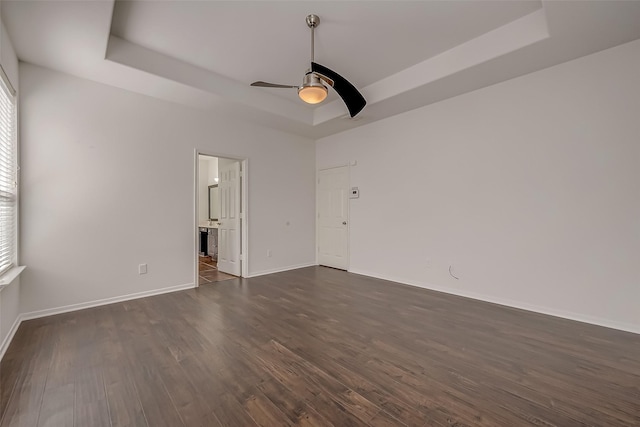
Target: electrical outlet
(142,269)
(269,253)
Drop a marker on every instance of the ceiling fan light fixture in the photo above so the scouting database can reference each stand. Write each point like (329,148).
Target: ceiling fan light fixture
(312,94)
(312,90)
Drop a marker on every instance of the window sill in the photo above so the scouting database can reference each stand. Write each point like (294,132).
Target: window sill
(7,278)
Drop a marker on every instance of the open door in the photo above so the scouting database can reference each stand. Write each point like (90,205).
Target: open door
(229,219)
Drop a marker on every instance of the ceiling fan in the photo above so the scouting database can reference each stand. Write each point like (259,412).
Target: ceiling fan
(313,91)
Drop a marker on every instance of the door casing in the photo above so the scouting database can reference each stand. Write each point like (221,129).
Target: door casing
(244,220)
(347,170)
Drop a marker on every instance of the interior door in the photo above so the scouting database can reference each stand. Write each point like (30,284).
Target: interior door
(229,219)
(333,217)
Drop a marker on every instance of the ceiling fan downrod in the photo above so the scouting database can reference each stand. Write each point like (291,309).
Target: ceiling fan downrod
(313,90)
(312,22)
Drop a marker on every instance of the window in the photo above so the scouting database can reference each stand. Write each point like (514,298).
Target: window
(8,175)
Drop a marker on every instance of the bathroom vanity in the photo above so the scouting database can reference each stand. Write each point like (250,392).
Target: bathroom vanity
(209,239)
(209,228)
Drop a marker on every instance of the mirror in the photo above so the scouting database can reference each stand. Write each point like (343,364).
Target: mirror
(214,202)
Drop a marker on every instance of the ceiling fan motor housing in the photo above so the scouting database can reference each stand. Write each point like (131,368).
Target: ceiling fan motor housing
(313,91)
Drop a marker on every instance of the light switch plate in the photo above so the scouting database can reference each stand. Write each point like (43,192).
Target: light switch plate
(355,193)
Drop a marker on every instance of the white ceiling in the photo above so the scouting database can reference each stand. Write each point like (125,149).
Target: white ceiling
(400,54)
(365,41)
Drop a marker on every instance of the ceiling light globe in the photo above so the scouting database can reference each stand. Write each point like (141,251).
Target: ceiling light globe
(312,90)
(312,94)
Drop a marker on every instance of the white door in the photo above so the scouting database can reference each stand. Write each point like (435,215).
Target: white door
(229,220)
(333,217)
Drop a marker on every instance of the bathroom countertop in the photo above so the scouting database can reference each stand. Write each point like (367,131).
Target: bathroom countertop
(205,224)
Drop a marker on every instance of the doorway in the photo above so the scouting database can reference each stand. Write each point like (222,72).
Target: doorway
(220,218)
(333,217)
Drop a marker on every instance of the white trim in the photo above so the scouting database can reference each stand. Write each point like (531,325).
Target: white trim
(317,213)
(10,335)
(244,221)
(627,327)
(196,207)
(105,301)
(334,166)
(280,270)
(348,217)
(75,307)
(10,275)
(7,82)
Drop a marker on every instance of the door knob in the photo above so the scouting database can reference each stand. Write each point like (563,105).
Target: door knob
(344,222)
(219,223)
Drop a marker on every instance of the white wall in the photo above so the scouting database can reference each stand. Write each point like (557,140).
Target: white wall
(9,312)
(529,188)
(203,189)
(8,57)
(213,170)
(208,172)
(108,183)
(10,295)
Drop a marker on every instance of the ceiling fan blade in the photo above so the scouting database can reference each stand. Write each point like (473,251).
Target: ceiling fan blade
(354,101)
(265,84)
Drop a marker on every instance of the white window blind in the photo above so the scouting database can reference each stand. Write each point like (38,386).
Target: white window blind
(8,176)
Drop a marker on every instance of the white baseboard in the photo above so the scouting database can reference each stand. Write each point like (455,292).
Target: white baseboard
(9,337)
(505,302)
(279,270)
(607,323)
(105,301)
(81,306)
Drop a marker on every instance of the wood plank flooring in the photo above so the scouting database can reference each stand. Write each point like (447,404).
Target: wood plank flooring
(208,271)
(317,347)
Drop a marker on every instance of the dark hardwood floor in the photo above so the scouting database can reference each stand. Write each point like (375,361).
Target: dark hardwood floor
(317,346)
